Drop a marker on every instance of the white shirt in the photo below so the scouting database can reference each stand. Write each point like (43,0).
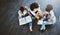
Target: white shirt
(52,18)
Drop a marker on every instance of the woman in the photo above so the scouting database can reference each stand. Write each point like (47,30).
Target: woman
(48,17)
(35,11)
(25,17)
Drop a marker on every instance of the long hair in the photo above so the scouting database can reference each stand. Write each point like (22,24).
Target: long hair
(22,8)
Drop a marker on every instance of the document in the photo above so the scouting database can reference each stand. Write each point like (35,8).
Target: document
(25,20)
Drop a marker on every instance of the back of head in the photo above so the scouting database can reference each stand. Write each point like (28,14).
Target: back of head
(22,8)
(49,8)
(33,6)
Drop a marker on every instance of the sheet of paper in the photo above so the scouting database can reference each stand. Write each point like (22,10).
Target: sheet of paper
(22,21)
(28,19)
(25,20)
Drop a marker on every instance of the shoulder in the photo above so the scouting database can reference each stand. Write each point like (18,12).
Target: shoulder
(51,11)
(19,11)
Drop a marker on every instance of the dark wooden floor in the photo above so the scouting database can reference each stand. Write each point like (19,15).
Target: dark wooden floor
(9,21)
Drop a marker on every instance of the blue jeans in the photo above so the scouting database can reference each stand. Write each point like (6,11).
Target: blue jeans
(43,25)
(30,23)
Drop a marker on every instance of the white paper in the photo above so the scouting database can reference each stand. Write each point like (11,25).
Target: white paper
(28,19)
(22,21)
(40,22)
(25,20)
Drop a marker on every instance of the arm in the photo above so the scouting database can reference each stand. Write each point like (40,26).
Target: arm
(53,18)
(19,14)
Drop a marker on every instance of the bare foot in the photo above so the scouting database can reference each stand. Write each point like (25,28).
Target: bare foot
(30,28)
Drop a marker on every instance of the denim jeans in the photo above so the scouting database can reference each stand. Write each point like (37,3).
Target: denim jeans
(30,23)
(43,25)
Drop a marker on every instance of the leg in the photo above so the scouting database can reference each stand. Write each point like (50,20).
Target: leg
(30,26)
(43,25)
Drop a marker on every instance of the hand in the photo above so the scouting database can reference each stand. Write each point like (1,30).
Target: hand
(47,12)
(30,14)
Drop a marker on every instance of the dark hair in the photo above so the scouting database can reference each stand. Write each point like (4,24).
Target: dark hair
(33,6)
(49,8)
(22,8)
